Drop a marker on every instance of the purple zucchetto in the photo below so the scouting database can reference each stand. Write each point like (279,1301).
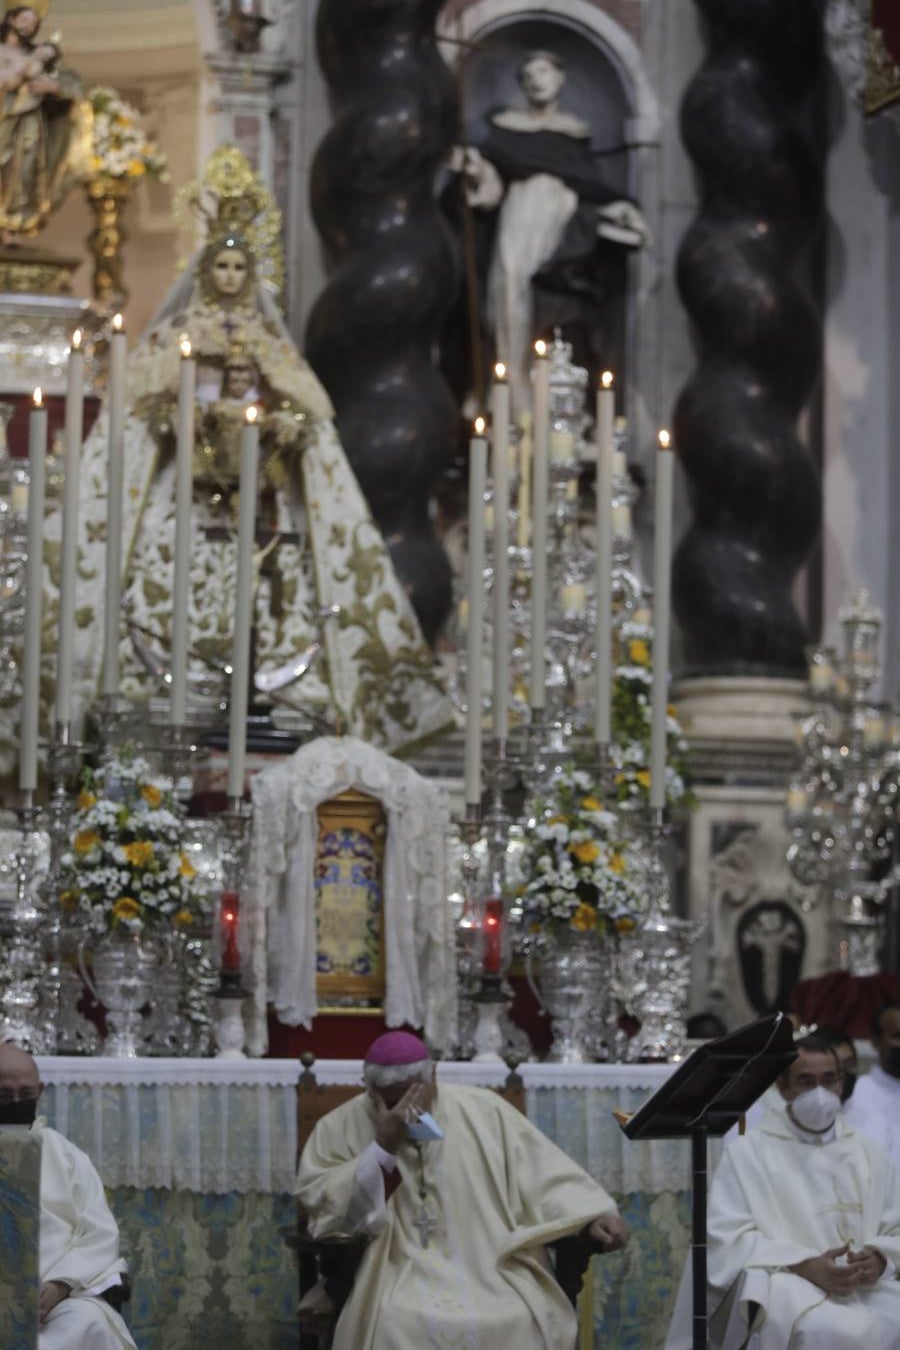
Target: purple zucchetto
(397,1047)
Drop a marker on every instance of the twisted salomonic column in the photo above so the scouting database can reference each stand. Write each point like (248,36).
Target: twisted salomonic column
(371,334)
(754,489)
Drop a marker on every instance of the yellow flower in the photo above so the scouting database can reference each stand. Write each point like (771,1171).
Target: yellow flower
(183,919)
(639,652)
(140,853)
(86,800)
(85,840)
(125,908)
(151,795)
(135,168)
(557,820)
(617,863)
(643,777)
(587,852)
(584,918)
(591,804)
(68,901)
(625,924)
(187,868)
(671,710)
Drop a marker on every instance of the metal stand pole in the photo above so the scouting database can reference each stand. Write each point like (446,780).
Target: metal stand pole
(698,1237)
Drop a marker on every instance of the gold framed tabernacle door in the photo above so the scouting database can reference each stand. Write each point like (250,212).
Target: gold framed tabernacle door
(349,891)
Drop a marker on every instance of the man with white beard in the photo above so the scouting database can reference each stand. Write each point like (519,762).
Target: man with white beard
(803,1228)
(79,1238)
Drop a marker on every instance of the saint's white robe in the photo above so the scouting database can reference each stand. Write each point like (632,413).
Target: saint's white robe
(79,1244)
(497,1189)
(776,1200)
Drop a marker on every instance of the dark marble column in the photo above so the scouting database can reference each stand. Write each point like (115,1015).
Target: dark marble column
(372,332)
(753,487)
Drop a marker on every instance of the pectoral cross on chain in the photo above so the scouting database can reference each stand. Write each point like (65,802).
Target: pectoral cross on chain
(425,1224)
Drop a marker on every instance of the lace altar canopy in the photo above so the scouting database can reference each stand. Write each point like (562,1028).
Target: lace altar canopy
(417,927)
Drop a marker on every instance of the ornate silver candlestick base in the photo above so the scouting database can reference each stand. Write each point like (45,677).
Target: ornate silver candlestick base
(65,1028)
(23,958)
(661,962)
(111,714)
(490,1040)
(229,1029)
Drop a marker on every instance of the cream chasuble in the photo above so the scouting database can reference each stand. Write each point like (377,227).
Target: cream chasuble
(776,1200)
(80,1245)
(495,1191)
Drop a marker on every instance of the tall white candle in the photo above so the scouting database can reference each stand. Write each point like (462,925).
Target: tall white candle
(540,493)
(114,501)
(243,605)
(69,543)
(475,629)
(662,584)
(606,403)
(500,472)
(523,500)
(34,567)
(184,453)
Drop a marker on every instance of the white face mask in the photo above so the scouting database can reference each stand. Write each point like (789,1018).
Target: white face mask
(816,1109)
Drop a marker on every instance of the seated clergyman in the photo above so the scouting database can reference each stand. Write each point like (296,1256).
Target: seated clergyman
(79,1239)
(804,1227)
(459,1222)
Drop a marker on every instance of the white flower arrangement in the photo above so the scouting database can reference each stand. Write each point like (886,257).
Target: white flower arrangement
(580,872)
(125,863)
(120,148)
(631,725)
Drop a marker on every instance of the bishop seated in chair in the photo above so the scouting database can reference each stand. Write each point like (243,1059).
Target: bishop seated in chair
(459,1195)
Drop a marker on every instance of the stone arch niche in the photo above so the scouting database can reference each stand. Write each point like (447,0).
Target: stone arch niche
(606,87)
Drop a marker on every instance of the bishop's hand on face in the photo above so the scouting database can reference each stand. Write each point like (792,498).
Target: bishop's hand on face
(392,1121)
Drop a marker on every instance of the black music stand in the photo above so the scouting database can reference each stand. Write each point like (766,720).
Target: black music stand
(704,1097)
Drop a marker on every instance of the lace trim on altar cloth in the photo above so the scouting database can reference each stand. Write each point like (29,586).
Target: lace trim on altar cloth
(215,1127)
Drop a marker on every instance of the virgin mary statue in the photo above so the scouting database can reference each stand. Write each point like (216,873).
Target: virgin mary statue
(324,580)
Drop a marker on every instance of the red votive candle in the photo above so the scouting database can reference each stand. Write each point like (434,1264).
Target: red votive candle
(493,936)
(231,957)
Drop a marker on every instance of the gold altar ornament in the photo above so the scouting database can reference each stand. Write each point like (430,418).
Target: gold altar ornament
(349,871)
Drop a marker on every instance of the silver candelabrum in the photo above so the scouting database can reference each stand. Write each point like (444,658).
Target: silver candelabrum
(843,796)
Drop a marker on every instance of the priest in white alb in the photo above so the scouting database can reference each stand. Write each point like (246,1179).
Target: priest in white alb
(804,1228)
(459,1194)
(79,1239)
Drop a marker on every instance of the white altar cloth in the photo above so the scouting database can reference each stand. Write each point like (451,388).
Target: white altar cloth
(217,1125)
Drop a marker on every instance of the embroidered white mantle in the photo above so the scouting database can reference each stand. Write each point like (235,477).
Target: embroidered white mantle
(418,930)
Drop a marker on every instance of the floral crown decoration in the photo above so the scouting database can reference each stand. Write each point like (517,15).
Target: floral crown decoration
(230,199)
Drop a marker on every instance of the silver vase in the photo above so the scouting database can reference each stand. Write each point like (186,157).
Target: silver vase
(121,978)
(573,969)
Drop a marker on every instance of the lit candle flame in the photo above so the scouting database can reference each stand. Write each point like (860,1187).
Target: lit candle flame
(38,397)
(76,340)
(480,425)
(185,345)
(118,323)
(540,348)
(500,371)
(664,439)
(606,379)
(252,413)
